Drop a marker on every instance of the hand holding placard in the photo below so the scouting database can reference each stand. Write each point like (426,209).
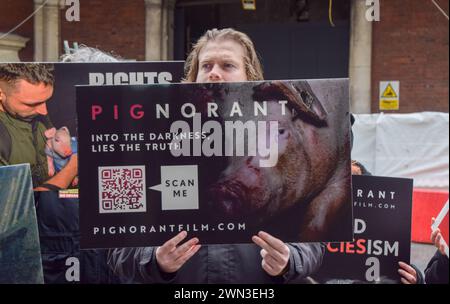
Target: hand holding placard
(170,257)
(436,236)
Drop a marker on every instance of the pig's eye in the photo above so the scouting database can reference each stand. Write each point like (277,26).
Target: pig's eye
(284,133)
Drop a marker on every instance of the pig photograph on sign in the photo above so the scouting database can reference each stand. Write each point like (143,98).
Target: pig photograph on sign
(38,116)
(221,161)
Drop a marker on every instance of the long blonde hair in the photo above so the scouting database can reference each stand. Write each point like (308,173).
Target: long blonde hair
(253,67)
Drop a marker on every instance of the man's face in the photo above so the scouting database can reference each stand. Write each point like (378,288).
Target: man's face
(221,61)
(25,100)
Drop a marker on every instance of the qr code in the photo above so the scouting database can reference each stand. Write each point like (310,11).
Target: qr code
(122,189)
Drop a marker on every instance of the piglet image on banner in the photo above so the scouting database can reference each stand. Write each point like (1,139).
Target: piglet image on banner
(221,161)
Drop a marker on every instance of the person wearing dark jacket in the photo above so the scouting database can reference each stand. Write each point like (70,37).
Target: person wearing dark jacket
(219,56)
(436,271)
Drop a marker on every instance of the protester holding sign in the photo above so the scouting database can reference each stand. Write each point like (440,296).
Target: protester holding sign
(436,271)
(220,56)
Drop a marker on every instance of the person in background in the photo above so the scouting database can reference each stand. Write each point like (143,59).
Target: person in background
(436,271)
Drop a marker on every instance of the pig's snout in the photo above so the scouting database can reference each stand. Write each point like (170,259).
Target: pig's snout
(232,194)
(67,152)
(248,173)
(227,197)
(63,150)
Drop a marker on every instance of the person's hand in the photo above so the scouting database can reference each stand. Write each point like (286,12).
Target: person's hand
(275,254)
(408,274)
(64,178)
(170,258)
(436,238)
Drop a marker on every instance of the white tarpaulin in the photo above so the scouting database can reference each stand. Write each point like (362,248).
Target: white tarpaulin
(404,145)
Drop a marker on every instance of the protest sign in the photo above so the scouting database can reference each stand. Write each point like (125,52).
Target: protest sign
(221,161)
(382,234)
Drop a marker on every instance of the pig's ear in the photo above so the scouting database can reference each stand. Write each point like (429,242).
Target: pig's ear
(66,129)
(306,104)
(50,133)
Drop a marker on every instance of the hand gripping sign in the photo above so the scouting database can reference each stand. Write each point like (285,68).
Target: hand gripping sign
(441,222)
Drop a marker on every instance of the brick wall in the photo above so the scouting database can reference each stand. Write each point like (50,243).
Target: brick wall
(12,12)
(410,44)
(115,26)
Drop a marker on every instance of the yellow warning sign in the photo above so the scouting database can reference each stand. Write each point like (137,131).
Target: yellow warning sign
(389,104)
(389,98)
(389,92)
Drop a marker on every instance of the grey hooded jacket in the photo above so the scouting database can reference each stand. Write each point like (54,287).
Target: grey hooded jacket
(216,264)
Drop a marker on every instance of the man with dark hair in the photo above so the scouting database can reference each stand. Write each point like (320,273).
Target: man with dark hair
(24,92)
